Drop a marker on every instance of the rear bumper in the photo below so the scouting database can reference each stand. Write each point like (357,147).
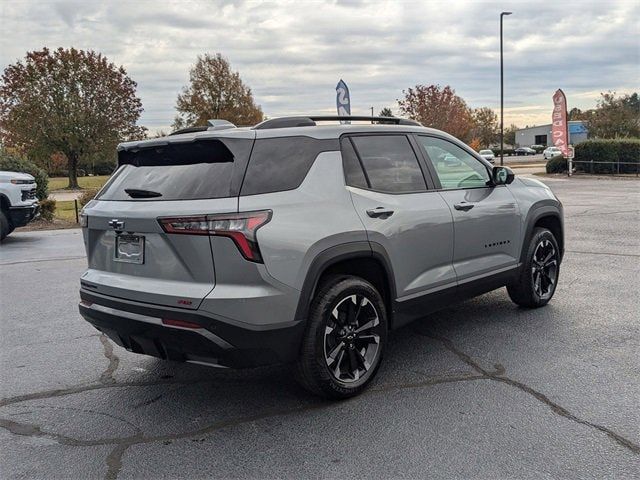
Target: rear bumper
(207,340)
(20,216)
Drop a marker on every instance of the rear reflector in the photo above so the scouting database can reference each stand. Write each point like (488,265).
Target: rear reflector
(180,323)
(240,227)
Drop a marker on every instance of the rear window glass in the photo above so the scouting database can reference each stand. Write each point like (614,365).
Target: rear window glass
(206,168)
(279,164)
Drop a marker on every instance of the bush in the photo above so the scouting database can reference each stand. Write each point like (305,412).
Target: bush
(619,155)
(87,196)
(539,149)
(104,168)
(557,164)
(13,163)
(47,209)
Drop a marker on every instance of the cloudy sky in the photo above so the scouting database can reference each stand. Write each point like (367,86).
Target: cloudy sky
(292,54)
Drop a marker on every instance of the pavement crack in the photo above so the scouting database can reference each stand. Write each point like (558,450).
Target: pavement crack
(81,410)
(93,386)
(114,461)
(555,408)
(604,253)
(114,361)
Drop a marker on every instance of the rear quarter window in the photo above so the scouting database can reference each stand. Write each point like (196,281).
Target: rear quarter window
(279,164)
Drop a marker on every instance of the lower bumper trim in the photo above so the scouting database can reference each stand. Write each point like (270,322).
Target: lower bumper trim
(215,343)
(20,216)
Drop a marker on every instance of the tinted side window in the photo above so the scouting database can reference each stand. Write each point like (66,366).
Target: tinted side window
(353,173)
(455,167)
(390,163)
(279,164)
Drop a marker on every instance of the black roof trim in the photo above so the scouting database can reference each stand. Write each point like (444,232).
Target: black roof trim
(310,121)
(190,130)
(213,124)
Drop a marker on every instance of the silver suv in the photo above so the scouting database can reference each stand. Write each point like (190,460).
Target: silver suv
(294,242)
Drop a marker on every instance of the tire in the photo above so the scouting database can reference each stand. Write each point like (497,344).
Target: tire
(537,281)
(339,357)
(5,226)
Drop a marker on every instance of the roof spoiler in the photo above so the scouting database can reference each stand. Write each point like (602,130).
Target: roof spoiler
(310,121)
(212,125)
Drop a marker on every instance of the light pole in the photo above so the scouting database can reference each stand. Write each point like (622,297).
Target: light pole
(502,93)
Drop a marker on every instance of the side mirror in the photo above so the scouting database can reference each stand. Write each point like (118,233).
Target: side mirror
(502,175)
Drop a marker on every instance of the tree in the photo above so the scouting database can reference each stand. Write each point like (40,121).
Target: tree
(510,135)
(615,117)
(215,91)
(68,101)
(475,144)
(160,133)
(385,112)
(485,126)
(438,107)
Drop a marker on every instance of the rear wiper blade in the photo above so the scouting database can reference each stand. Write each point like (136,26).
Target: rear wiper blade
(138,193)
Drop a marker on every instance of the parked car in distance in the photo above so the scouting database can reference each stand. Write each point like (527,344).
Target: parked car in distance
(537,146)
(551,152)
(449,160)
(295,242)
(18,201)
(524,151)
(487,155)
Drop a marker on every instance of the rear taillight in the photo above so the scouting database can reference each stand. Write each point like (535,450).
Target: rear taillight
(240,227)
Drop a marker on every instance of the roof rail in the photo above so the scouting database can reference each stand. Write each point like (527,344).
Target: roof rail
(214,124)
(310,121)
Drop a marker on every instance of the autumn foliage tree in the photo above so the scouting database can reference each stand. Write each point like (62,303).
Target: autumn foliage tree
(215,91)
(438,107)
(615,116)
(485,126)
(68,101)
(510,134)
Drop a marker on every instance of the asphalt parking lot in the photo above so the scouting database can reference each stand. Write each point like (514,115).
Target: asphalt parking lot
(480,390)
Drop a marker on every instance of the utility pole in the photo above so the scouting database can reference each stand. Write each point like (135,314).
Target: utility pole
(502,93)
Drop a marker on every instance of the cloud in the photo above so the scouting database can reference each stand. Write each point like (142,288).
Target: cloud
(292,53)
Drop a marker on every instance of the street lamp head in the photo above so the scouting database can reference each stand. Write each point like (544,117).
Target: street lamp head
(506,13)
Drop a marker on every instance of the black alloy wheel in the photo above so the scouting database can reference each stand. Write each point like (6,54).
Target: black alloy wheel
(352,338)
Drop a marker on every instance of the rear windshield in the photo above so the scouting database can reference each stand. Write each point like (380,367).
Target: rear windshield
(206,168)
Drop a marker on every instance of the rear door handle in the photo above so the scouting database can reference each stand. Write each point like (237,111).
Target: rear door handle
(464,206)
(379,212)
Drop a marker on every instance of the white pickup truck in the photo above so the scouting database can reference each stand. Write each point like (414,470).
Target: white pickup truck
(18,201)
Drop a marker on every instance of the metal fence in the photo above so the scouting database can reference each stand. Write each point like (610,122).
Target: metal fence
(612,168)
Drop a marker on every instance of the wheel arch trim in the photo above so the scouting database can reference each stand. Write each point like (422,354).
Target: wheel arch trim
(4,200)
(334,255)
(537,212)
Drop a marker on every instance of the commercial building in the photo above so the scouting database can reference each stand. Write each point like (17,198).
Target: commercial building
(541,135)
